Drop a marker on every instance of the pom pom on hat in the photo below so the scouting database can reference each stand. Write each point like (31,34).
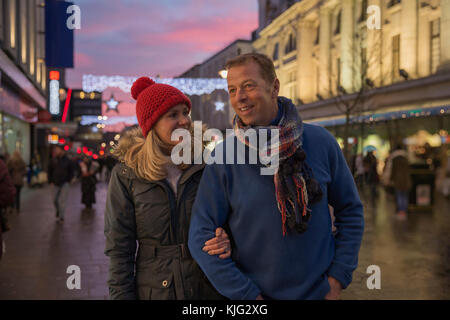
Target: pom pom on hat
(153,100)
(139,85)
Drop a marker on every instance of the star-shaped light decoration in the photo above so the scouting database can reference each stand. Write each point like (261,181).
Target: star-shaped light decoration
(112,104)
(219,105)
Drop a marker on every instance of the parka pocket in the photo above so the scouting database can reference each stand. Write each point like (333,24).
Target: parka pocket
(155,286)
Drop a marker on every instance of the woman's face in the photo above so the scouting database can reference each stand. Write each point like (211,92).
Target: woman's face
(177,117)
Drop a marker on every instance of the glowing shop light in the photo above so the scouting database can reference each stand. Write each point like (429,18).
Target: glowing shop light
(54,97)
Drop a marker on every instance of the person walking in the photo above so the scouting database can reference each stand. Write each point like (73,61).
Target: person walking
(60,174)
(7,194)
(370,163)
(401,180)
(17,170)
(280,224)
(359,171)
(88,169)
(149,203)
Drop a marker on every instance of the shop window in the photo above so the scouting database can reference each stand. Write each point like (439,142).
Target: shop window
(338,72)
(338,23)
(392,3)
(435,47)
(275,52)
(395,57)
(291,45)
(363,15)
(317,36)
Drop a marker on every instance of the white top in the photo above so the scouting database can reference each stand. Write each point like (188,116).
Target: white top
(173,174)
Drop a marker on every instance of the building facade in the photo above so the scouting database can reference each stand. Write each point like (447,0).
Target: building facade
(381,65)
(23,73)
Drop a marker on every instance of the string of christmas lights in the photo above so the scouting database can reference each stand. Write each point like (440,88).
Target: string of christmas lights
(189,86)
(88,120)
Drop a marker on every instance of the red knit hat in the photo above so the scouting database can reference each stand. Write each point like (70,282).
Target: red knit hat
(154,100)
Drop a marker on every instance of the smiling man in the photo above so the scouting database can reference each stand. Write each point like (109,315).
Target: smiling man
(283,245)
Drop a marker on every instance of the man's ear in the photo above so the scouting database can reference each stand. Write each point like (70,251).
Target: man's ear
(276,88)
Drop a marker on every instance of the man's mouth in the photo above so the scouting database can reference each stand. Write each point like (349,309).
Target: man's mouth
(245,108)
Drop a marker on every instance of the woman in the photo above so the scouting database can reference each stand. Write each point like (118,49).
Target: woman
(401,180)
(149,202)
(88,170)
(17,169)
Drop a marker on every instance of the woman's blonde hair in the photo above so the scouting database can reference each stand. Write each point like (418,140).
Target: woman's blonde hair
(148,156)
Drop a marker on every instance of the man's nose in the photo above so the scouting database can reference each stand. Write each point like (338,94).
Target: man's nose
(241,94)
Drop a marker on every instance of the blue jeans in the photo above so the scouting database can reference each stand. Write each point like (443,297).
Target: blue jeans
(60,194)
(402,200)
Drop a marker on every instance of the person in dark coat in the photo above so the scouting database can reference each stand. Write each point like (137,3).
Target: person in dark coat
(149,203)
(60,174)
(401,180)
(88,170)
(7,194)
(17,170)
(370,167)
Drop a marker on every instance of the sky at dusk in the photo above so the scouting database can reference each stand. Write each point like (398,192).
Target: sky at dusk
(150,37)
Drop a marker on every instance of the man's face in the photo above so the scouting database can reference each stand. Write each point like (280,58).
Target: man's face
(253,99)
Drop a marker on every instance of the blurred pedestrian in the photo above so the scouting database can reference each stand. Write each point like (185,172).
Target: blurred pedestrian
(7,194)
(401,180)
(60,174)
(370,163)
(359,171)
(110,162)
(149,202)
(88,169)
(17,170)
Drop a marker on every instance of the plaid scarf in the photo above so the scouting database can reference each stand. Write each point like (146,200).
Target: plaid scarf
(295,186)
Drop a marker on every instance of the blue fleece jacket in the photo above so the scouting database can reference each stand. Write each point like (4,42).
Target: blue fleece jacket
(295,266)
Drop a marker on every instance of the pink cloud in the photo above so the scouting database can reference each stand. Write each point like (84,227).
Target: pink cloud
(83,60)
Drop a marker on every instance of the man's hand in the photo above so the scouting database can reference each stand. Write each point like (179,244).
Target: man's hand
(335,289)
(219,245)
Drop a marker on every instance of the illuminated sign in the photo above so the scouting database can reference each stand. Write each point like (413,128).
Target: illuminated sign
(54,97)
(53,139)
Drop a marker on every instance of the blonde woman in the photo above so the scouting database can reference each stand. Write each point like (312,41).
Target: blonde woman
(149,204)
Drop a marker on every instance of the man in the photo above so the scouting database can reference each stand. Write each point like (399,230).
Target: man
(283,246)
(60,174)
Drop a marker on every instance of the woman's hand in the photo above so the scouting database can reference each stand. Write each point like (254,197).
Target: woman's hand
(220,244)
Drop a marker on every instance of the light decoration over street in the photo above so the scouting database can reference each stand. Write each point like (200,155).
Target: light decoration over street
(112,104)
(89,120)
(219,105)
(189,86)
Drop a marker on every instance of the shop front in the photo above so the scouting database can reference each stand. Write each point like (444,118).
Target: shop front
(17,115)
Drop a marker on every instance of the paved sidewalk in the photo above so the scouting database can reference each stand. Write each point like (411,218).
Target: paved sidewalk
(413,255)
(39,250)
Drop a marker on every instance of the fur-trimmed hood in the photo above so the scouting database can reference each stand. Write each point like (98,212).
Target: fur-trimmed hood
(129,138)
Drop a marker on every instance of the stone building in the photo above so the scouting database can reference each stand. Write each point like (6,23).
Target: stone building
(385,63)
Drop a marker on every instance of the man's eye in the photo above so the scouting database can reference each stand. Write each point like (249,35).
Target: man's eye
(231,91)
(249,86)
